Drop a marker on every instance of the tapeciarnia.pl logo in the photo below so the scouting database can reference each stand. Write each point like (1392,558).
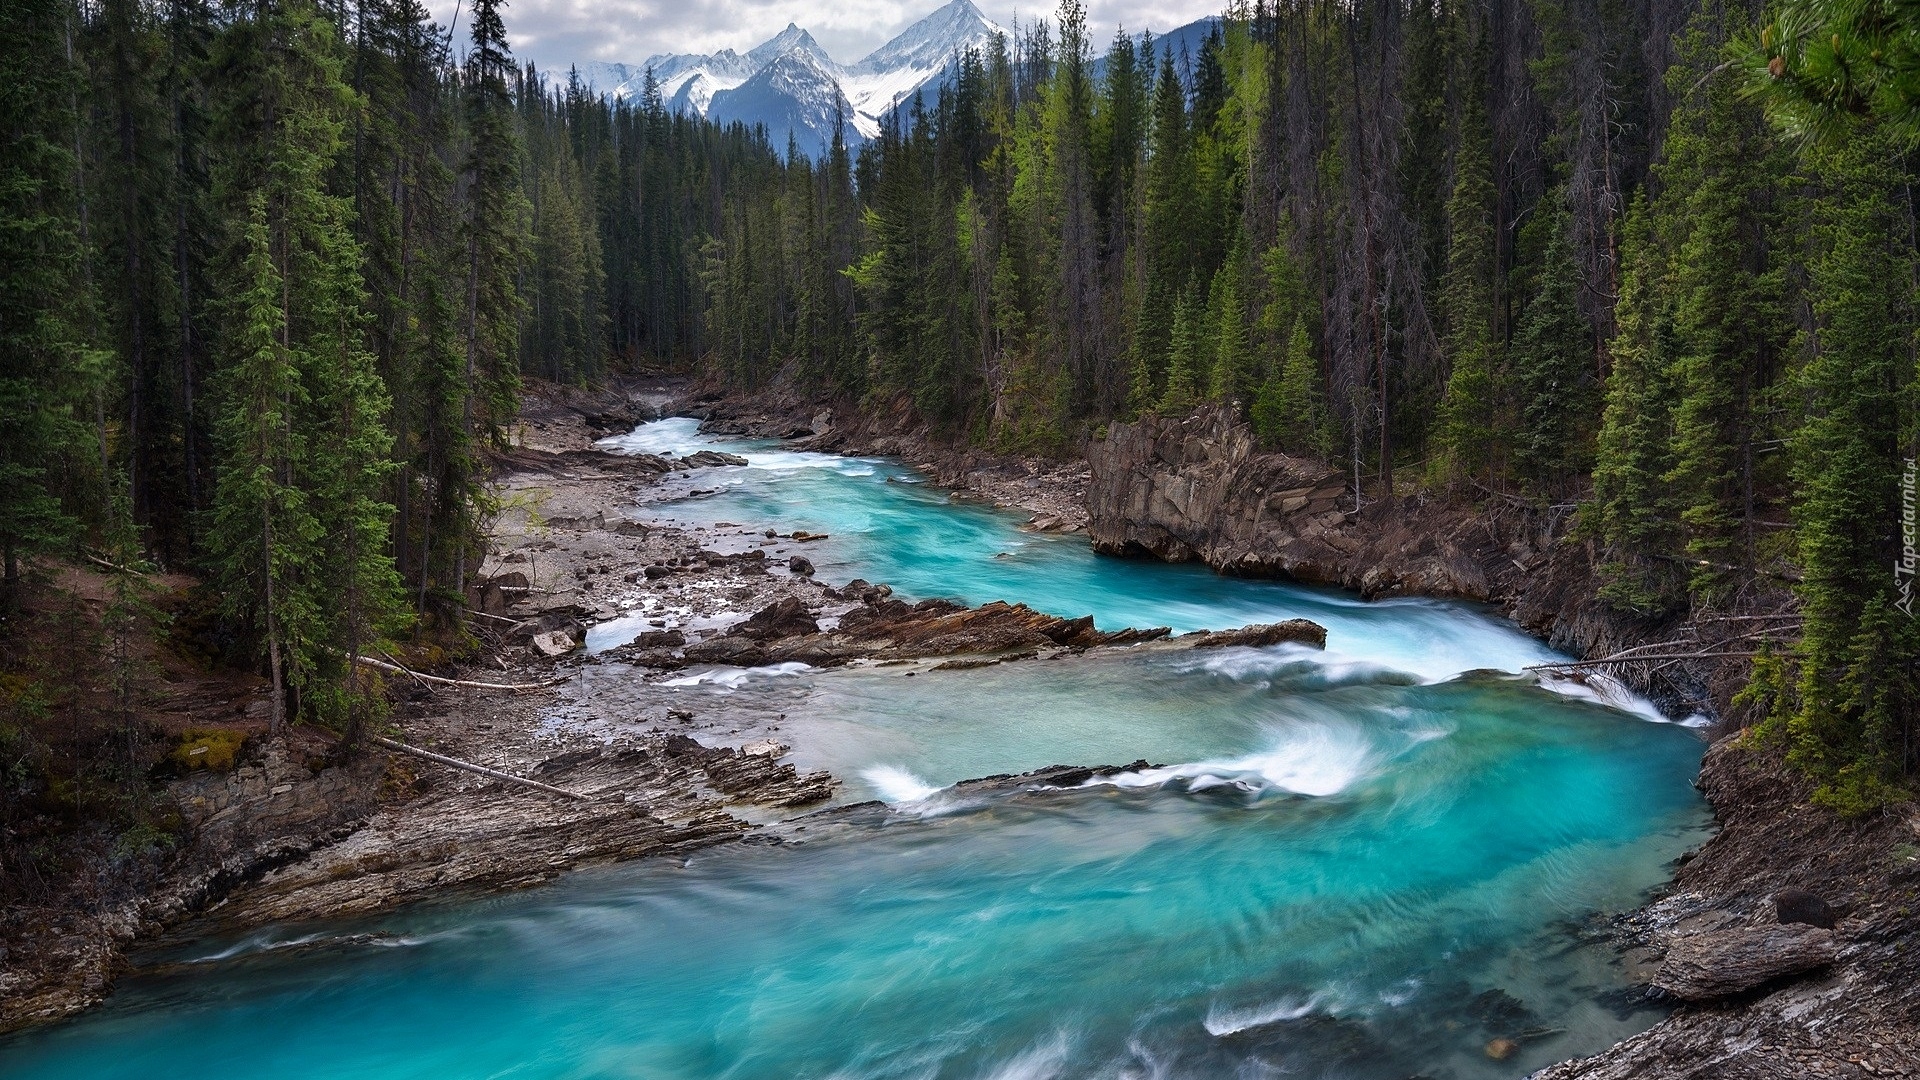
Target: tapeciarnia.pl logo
(1909,561)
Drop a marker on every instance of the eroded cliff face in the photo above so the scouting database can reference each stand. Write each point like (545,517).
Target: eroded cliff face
(1198,489)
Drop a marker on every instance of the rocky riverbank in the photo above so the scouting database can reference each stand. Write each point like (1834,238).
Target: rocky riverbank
(1761,993)
(1787,942)
(293,831)
(1786,999)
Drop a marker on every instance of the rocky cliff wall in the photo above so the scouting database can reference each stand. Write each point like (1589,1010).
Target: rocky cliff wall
(1198,489)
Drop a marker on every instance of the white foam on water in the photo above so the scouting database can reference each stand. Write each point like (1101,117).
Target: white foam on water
(1040,1062)
(1223,1022)
(897,785)
(1315,760)
(1400,993)
(1247,664)
(732,678)
(1601,688)
(268,944)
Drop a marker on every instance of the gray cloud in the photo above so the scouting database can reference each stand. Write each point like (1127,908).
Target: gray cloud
(555,33)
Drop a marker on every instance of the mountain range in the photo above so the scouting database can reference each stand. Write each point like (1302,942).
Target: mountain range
(790,84)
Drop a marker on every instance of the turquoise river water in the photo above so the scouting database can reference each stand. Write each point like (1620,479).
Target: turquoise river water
(1367,863)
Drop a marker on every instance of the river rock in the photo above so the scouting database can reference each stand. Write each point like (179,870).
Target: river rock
(496,594)
(703,459)
(1801,906)
(1302,631)
(1723,963)
(553,622)
(554,643)
(786,617)
(727,649)
(800,564)
(858,589)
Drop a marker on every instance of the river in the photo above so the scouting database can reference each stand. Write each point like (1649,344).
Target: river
(1373,861)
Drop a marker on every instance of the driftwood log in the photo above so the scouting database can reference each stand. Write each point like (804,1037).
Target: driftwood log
(478,770)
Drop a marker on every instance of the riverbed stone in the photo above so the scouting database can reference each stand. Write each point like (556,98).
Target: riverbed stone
(1723,963)
(1800,906)
(1301,631)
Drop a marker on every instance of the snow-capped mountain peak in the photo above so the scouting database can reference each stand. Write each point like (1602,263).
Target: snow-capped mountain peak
(933,41)
(790,84)
(789,41)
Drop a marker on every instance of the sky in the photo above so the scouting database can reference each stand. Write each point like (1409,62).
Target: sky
(555,33)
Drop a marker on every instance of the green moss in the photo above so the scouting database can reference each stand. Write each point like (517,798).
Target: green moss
(212,749)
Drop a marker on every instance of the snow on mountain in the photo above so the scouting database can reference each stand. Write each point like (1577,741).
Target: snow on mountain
(794,96)
(789,84)
(790,42)
(921,54)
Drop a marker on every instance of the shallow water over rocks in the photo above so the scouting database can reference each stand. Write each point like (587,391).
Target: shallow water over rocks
(1372,861)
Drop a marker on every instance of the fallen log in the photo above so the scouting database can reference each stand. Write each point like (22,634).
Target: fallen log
(478,770)
(398,670)
(1637,659)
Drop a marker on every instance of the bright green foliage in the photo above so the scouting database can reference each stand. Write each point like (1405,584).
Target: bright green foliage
(1822,64)
(1287,412)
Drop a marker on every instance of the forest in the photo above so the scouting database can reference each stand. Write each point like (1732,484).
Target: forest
(272,272)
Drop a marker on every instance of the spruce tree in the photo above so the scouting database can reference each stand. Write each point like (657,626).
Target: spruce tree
(1632,511)
(1858,707)
(1553,372)
(1468,431)
(299,539)
(1231,370)
(1287,412)
(47,370)
(1723,171)
(1185,356)
(265,537)
(494,239)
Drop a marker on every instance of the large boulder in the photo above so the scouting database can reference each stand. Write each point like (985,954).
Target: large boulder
(727,649)
(1723,963)
(704,459)
(786,617)
(1801,906)
(1303,631)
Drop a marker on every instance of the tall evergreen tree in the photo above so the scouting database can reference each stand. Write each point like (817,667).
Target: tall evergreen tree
(1469,429)
(1859,705)
(47,369)
(1553,373)
(1723,171)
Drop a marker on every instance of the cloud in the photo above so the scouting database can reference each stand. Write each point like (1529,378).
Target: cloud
(555,33)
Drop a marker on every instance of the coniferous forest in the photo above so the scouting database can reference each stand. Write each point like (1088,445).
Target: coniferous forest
(272,273)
